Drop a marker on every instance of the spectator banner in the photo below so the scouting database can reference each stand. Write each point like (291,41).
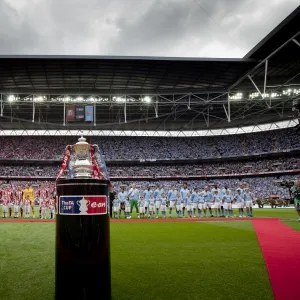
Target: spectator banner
(70,113)
(89,113)
(79,113)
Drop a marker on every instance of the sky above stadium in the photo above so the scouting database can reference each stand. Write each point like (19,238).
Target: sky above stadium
(182,28)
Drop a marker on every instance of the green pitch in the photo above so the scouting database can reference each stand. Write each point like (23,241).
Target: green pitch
(196,260)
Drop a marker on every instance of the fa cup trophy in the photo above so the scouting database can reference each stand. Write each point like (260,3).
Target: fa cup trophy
(82,225)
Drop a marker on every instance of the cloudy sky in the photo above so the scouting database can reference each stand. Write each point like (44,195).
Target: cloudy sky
(195,28)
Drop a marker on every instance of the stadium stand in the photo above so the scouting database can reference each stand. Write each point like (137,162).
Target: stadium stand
(234,167)
(115,148)
(224,172)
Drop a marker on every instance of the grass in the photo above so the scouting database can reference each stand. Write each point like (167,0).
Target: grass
(152,260)
(197,260)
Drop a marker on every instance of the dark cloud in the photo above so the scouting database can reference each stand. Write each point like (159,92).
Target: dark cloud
(216,28)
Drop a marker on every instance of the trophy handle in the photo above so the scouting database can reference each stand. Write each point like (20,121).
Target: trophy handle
(78,203)
(88,203)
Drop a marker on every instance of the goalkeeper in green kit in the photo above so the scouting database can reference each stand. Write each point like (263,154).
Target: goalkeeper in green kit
(296,194)
(134,196)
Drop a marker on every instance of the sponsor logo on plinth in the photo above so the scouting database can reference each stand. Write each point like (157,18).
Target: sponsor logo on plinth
(83,205)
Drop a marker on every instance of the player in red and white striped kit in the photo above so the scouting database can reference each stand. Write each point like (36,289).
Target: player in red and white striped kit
(44,208)
(51,208)
(43,196)
(19,197)
(5,208)
(8,195)
(27,207)
(17,203)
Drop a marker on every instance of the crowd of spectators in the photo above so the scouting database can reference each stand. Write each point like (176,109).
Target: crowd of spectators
(232,167)
(144,148)
(155,148)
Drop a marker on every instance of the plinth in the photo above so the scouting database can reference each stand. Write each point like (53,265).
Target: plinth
(82,240)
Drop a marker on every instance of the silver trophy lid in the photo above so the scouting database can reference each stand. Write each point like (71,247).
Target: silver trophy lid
(81,141)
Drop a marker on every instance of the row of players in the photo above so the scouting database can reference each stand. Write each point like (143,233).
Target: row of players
(21,202)
(25,207)
(153,201)
(150,201)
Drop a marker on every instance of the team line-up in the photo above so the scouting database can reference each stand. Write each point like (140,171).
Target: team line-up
(150,202)
(21,202)
(195,202)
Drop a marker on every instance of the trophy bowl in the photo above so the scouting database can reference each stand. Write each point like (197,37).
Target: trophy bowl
(82,148)
(83,165)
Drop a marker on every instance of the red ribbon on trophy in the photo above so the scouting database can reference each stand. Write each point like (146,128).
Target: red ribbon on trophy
(65,161)
(97,174)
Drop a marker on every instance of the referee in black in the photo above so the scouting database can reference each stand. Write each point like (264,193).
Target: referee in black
(112,194)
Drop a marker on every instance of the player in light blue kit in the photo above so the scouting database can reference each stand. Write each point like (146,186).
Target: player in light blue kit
(179,206)
(141,203)
(242,188)
(157,196)
(227,198)
(208,198)
(223,192)
(127,208)
(122,198)
(201,204)
(217,203)
(240,202)
(163,207)
(151,206)
(183,194)
(189,205)
(116,207)
(147,194)
(172,199)
(195,201)
(248,201)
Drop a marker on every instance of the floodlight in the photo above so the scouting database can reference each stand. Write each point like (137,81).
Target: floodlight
(237,96)
(38,99)
(11,98)
(147,99)
(120,99)
(296,92)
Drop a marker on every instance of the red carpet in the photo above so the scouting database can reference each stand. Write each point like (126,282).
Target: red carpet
(280,246)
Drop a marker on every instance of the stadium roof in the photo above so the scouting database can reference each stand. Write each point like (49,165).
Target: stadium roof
(278,36)
(156,93)
(118,75)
